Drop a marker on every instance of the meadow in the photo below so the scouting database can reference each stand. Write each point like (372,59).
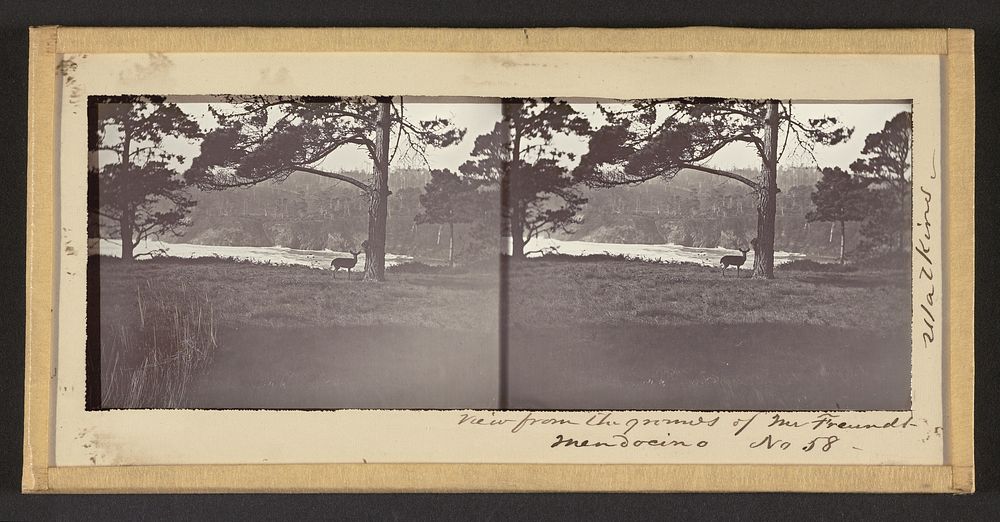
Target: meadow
(295,337)
(595,332)
(620,334)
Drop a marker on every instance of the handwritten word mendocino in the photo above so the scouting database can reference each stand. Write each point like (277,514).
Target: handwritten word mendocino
(621,441)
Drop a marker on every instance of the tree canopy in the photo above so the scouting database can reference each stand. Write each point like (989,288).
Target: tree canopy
(840,197)
(885,160)
(267,138)
(659,138)
(537,190)
(139,188)
(886,154)
(271,137)
(448,199)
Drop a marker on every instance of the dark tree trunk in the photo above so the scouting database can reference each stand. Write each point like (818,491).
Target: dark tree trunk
(378,209)
(451,244)
(514,198)
(905,210)
(843,242)
(763,261)
(128,246)
(516,233)
(127,220)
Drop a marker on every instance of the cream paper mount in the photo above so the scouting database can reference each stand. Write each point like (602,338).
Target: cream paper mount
(928,448)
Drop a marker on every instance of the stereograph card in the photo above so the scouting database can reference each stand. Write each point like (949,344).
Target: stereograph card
(499,260)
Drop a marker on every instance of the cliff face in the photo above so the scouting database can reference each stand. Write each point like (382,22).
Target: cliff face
(623,229)
(230,232)
(254,231)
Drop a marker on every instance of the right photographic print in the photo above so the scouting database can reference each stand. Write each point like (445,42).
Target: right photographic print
(706,254)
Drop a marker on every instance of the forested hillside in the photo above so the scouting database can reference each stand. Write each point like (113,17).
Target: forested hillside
(309,212)
(312,213)
(706,211)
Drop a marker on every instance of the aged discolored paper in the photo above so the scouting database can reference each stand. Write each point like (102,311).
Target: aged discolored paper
(146,437)
(927,448)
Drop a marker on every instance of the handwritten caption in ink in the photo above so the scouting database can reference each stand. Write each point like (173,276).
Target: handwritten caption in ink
(760,431)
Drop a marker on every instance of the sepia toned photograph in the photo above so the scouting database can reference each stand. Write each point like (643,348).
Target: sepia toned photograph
(437,260)
(296,252)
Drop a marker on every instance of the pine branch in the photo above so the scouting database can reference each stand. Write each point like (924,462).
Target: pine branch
(333,175)
(725,174)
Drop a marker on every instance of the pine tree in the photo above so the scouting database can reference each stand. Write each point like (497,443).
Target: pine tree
(887,164)
(449,199)
(138,191)
(840,197)
(538,194)
(270,138)
(659,138)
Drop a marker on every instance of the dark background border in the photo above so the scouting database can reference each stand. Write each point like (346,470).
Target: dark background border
(16,16)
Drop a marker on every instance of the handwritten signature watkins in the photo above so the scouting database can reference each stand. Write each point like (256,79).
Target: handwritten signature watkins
(922,246)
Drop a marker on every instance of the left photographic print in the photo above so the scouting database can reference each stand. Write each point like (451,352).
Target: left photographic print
(234,243)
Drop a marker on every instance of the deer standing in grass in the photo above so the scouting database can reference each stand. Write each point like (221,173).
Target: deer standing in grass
(737,261)
(344,262)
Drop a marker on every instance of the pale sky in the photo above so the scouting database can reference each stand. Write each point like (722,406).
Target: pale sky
(478,117)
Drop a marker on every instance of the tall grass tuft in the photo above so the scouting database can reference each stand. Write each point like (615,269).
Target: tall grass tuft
(152,348)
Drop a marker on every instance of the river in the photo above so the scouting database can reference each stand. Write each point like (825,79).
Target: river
(665,253)
(275,254)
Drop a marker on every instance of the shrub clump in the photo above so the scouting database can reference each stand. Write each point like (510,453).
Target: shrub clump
(808,265)
(416,267)
(593,258)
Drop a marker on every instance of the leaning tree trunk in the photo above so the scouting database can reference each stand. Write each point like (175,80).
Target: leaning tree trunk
(763,260)
(378,208)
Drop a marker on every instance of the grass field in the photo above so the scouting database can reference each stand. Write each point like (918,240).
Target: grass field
(295,337)
(616,334)
(582,334)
